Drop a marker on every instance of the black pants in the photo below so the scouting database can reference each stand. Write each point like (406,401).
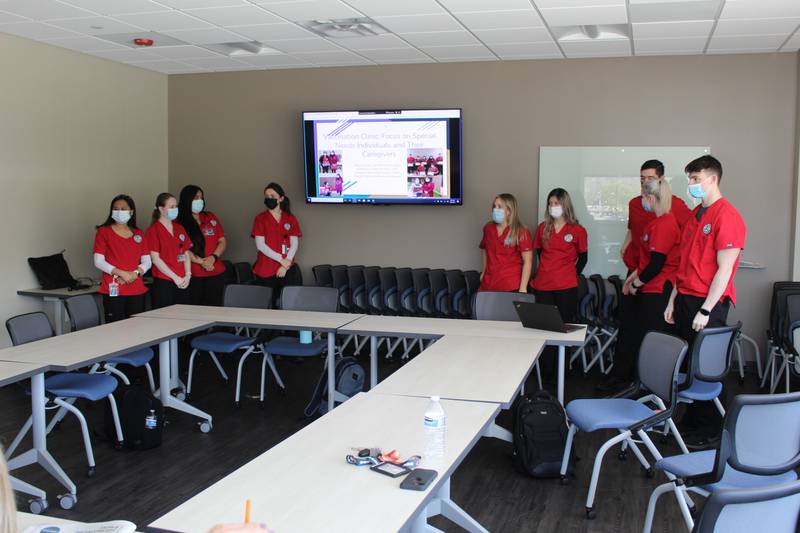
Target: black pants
(164,293)
(567,302)
(702,417)
(292,277)
(628,339)
(207,290)
(651,312)
(122,307)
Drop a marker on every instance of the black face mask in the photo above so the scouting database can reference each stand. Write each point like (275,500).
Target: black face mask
(271,203)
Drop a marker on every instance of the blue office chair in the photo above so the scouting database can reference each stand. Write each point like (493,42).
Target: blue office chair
(709,363)
(61,387)
(759,447)
(323,276)
(422,288)
(775,509)
(459,298)
(84,313)
(660,357)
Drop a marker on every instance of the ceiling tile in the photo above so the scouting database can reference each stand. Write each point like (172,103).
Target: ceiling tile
(754,9)
(275,61)
(526,49)
(302,45)
(717,51)
(85,44)
(214,62)
(164,21)
(394,54)
(470,51)
(164,66)
(441,38)
(572,16)
(193,4)
(550,4)
(462,6)
(418,61)
(333,58)
(36,30)
(207,36)
(126,55)
(96,26)
(7,18)
(580,48)
(491,20)
(682,44)
(420,23)
(116,7)
(235,16)
(597,55)
(667,30)
(274,32)
(183,52)
(390,8)
(757,26)
(480,59)
(372,43)
(746,42)
(312,10)
(42,9)
(666,11)
(793,44)
(518,35)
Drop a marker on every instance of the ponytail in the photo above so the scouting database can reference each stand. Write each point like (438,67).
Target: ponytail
(285,204)
(161,201)
(661,191)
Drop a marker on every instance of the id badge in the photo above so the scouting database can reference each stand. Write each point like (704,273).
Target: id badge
(283,249)
(181,258)
(113,289)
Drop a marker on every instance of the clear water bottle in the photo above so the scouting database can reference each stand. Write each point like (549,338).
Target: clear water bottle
(435,423)
(150,421)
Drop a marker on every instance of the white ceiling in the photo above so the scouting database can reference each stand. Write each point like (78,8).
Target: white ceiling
(420,31)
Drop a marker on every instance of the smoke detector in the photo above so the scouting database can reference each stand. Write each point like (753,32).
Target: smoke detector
(345,28)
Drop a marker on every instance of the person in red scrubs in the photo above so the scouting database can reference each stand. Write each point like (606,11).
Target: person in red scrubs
(505,249)
(428,187)
(277,235)
(627,350)
(659,254)
(121,253)
(169,250)
(208,244)
(562,244)
(711,243)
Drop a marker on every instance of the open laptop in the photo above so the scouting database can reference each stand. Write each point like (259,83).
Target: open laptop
(542,316)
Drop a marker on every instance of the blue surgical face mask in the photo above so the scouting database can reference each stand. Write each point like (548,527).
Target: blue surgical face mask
(172,213)
(120,216)
(696,190)
(498,215)
(197,206)
(646,206)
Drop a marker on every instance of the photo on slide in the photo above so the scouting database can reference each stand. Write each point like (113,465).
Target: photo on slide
(425,186)
(330,162)
(424,162)
(331,186)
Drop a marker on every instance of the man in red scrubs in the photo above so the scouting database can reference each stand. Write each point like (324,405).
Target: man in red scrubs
(711,242)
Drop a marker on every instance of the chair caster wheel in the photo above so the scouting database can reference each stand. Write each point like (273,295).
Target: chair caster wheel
(90,471)
(67,501)
(182,396)
(622,456)
(591,514)
(205,427)
(37,506)
(650,472)
(564,480)
(237,405)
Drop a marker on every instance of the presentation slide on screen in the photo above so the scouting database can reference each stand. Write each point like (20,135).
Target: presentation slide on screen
(387,155)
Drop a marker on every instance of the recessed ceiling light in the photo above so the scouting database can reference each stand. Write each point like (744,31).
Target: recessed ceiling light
(344,28)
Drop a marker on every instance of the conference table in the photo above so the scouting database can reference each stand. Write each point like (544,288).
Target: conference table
(435,328)
(56,297)
(304,484)
(83,348)
(328,323)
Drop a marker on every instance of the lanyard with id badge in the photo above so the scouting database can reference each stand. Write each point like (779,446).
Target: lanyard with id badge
(113,287)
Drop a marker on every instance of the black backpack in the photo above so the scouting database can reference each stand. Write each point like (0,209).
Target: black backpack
(134,404)
(540,433)
(349,381)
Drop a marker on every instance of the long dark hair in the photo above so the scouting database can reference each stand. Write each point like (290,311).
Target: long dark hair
(161,201)
(285,204)
(186,219)
(131,205)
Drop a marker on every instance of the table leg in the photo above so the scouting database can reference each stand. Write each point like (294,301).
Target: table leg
(562,350)
(167,399)
(373,361)
(331,370)
(498,432)
(39,454)
(58,314)
(443,505)
(174,370)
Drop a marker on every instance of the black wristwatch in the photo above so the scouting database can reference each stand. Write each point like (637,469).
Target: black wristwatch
(215,256)
(704,312)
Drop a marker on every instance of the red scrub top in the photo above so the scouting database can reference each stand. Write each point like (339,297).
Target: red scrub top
(124,254)
(638,219)
(212,231)
(276,234)
(661,235)
(171,248)
(503,258)
(557,264)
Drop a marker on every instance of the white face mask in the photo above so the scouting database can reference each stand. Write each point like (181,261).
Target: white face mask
(121,216)
(197,206)
(556,211)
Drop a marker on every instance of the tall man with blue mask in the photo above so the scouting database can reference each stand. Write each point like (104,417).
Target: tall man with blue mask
(711,242)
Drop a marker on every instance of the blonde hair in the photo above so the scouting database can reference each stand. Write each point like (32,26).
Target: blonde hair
(514,224)
(566,204)
(8,506)
(661,191)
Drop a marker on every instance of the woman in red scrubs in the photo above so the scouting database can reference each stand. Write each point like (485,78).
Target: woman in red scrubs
(277,235)
(169,250)
(505,249)
(208,244)
(561,244)
(121,253)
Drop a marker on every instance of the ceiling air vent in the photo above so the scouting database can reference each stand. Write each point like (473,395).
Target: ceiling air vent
(345,28)
(244,49)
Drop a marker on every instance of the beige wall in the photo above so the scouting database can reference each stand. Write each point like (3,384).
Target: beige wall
(74,131)
(232,132)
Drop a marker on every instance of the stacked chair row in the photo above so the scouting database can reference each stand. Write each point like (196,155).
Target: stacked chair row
(598,307)
(782,335)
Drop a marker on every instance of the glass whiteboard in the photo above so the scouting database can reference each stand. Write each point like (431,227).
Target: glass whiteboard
(601,180)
